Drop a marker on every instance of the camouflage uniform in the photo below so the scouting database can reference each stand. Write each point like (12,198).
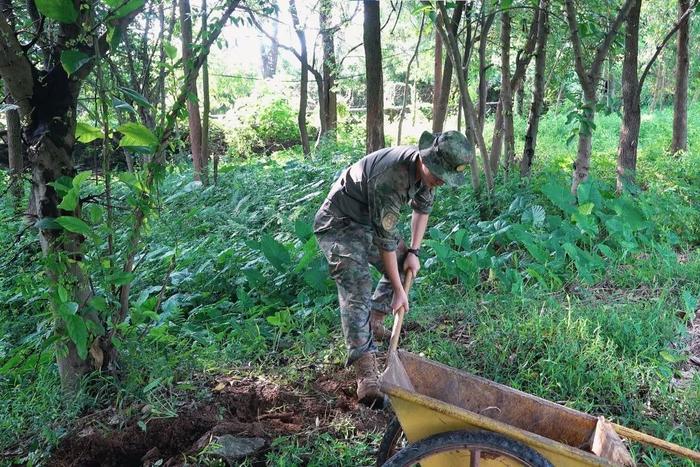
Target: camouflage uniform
(359,217)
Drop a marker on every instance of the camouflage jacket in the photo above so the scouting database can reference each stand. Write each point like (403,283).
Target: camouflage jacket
(373,190)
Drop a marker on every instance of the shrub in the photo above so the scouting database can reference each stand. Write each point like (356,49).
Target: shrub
(261,126)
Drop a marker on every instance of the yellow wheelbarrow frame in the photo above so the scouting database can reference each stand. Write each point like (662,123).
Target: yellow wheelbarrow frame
(430,398)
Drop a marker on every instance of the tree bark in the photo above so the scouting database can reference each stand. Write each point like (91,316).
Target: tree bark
(440,110)
(303,93)
(374,76)
(679,141)
(506,95)
(538,93)
(269,53)
(206,103)
(486,22)
(438,78)
(473,129)
(629,132)
(588,79)
(408,76)
(15,153)
(193,115)
(329,117)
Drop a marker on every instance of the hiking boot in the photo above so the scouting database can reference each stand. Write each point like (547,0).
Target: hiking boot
(368,391)
(379,331)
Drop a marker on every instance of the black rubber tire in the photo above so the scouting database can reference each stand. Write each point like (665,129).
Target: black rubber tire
(453,440)
(390,441)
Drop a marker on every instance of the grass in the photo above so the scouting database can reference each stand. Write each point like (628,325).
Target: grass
(612,346)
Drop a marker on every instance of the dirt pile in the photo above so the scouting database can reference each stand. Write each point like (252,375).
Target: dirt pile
(242,407)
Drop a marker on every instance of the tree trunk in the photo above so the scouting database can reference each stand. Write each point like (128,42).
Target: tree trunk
(588,78)
(486,22)
(194,118)
(506,95)
(438,78)
(329,117)
(440,110)
(304,92)
(408,76)
(538,93)
(629,132)
(15,153)
(206,104)
(519,100)
(375,81)
(269,53)
(679,141)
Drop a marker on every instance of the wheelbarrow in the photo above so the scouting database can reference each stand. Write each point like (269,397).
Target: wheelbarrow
(452,418)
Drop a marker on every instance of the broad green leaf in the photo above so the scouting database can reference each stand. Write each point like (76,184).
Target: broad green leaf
(77,331)
(135,96)
(73,224)
(67,309)
(62,293)
(73,60)
(560,196)
(122,105)
(275,252)
(79,179)
(120,278)
(303,230)
(137,137)
(308,256)
(121,9)
(316,278)
(94,213)
(62,11)
(87,133)
(70,200)
(586,209)
(170,50)
(98,303)
(255,278)
(47,223)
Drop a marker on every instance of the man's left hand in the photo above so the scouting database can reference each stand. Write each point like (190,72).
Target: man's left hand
(413,263)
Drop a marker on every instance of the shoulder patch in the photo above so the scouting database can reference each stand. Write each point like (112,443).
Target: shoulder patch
(389,220)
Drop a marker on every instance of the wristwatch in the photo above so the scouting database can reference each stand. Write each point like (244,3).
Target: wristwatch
(415,251)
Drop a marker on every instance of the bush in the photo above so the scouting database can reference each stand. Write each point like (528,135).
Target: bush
(261,126)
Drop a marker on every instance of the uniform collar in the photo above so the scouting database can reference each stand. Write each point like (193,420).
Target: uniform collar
(414,182)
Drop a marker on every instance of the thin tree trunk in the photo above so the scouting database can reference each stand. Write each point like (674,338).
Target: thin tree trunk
(408,75)
(374,77)
(15,153)
(469,112)
(486,22)
(538,93)
(506,95)
(679,141)
(206,104)
(437,82)
(629,132)
(193,115)
(269,53)
(329,117)
(440,110)
(303,94)
(588,79)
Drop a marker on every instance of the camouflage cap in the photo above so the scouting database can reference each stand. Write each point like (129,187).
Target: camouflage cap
(447,155)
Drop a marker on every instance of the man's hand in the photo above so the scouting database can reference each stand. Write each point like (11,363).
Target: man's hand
(400,300)
(413,263)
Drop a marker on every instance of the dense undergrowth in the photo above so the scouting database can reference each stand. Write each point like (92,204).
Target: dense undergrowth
(585,304)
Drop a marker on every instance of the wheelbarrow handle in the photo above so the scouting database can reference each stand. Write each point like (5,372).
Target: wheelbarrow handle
(398,316)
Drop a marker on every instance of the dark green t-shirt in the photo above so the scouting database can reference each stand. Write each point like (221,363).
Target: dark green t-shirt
(373,190)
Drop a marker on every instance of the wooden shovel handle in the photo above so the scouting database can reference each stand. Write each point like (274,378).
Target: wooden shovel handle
(398,316)
(656,442)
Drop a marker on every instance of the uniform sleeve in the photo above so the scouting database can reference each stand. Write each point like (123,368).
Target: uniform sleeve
(384,207)
(423,200)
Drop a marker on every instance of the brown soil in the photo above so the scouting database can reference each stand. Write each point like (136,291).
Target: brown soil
(239,406)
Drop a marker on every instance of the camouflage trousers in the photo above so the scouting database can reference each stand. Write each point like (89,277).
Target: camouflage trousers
(350,249)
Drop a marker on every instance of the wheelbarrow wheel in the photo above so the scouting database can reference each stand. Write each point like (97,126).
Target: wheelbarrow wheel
(392,441)
(481,444)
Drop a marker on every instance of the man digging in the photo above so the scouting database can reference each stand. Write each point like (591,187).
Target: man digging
(356,227)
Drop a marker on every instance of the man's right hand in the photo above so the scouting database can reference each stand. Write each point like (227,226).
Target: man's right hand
(400,300)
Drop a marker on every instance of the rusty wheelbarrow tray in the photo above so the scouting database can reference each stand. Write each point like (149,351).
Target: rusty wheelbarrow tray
(452,418)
